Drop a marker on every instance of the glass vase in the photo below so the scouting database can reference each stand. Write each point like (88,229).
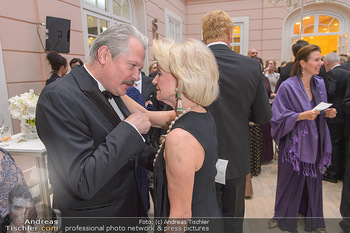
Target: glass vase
(28,129)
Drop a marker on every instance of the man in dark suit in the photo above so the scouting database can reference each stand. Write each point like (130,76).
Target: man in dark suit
(337,79)
(149,94)
(345,198)
(346,65)
(90,136)
(147,89)
(285,71)
(242,99)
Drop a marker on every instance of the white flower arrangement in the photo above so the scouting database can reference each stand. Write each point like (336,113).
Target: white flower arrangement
(23,107)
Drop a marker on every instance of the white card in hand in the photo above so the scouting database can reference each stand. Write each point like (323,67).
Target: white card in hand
(322,106)
(221,166)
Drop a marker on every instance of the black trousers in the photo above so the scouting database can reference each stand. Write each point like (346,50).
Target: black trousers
(230,198)
(345,197)
(337,169)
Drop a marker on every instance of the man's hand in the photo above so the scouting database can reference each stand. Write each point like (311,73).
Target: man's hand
(331,113)
(140,121)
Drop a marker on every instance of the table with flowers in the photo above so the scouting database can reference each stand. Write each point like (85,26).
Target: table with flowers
(27,143)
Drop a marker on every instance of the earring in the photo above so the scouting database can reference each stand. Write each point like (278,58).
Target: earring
(179,102)
(302,70)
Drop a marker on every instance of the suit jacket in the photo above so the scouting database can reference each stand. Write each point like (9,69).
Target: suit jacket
(337,79)
(90,151)
(346,108)
(149,91)
(284,75)
(242,98)
(346,65)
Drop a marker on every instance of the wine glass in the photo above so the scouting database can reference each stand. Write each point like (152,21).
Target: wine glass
(2,125)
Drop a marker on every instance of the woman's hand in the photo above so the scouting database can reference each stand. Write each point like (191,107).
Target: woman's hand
(331,113)
(308,115)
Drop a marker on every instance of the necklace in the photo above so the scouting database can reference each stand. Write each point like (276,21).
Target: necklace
(168,131)
(307,88)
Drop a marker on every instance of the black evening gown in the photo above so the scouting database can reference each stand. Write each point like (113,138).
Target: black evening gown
(204,204)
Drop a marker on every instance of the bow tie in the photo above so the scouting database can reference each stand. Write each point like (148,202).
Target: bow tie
(108,95)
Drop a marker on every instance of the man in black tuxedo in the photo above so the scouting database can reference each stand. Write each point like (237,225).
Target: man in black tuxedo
(90,136)
(285,71)
(242,99)
(336,80)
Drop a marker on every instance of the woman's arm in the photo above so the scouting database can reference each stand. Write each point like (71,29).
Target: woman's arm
(184,155)
(159,119)
(308,115)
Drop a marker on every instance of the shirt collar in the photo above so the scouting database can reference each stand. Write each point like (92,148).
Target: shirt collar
(100,86)
(217,42)
(335,66)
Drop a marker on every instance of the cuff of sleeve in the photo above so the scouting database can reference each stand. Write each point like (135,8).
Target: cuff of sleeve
(136,130)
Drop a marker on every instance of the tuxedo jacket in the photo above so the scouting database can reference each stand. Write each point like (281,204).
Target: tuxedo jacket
(337,79)
(90,151)
(243,98)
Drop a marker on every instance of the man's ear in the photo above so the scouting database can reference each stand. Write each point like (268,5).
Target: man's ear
(229,36)
(102,54)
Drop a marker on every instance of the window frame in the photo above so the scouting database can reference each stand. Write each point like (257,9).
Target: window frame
(101,14)
(316,18)
(293,36)
(169,13)
(244,40)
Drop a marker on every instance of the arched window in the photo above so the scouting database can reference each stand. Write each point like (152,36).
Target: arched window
(322,29)
(121,8)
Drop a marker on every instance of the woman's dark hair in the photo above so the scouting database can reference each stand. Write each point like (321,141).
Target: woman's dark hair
(56,61)
(298,45)
(303,55)
(75,60)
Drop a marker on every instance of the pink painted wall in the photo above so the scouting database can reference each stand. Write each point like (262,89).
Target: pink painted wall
(26,66)
(265,22)
(156,9)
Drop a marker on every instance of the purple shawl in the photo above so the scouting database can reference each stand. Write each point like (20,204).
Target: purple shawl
(303,139)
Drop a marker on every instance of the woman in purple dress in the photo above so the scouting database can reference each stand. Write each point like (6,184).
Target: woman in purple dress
(304,144)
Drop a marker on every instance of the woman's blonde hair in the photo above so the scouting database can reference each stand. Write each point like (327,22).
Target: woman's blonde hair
(193,65)
(150,67)
(216,25)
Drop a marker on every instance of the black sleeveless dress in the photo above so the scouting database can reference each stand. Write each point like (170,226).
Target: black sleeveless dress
(204,204)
